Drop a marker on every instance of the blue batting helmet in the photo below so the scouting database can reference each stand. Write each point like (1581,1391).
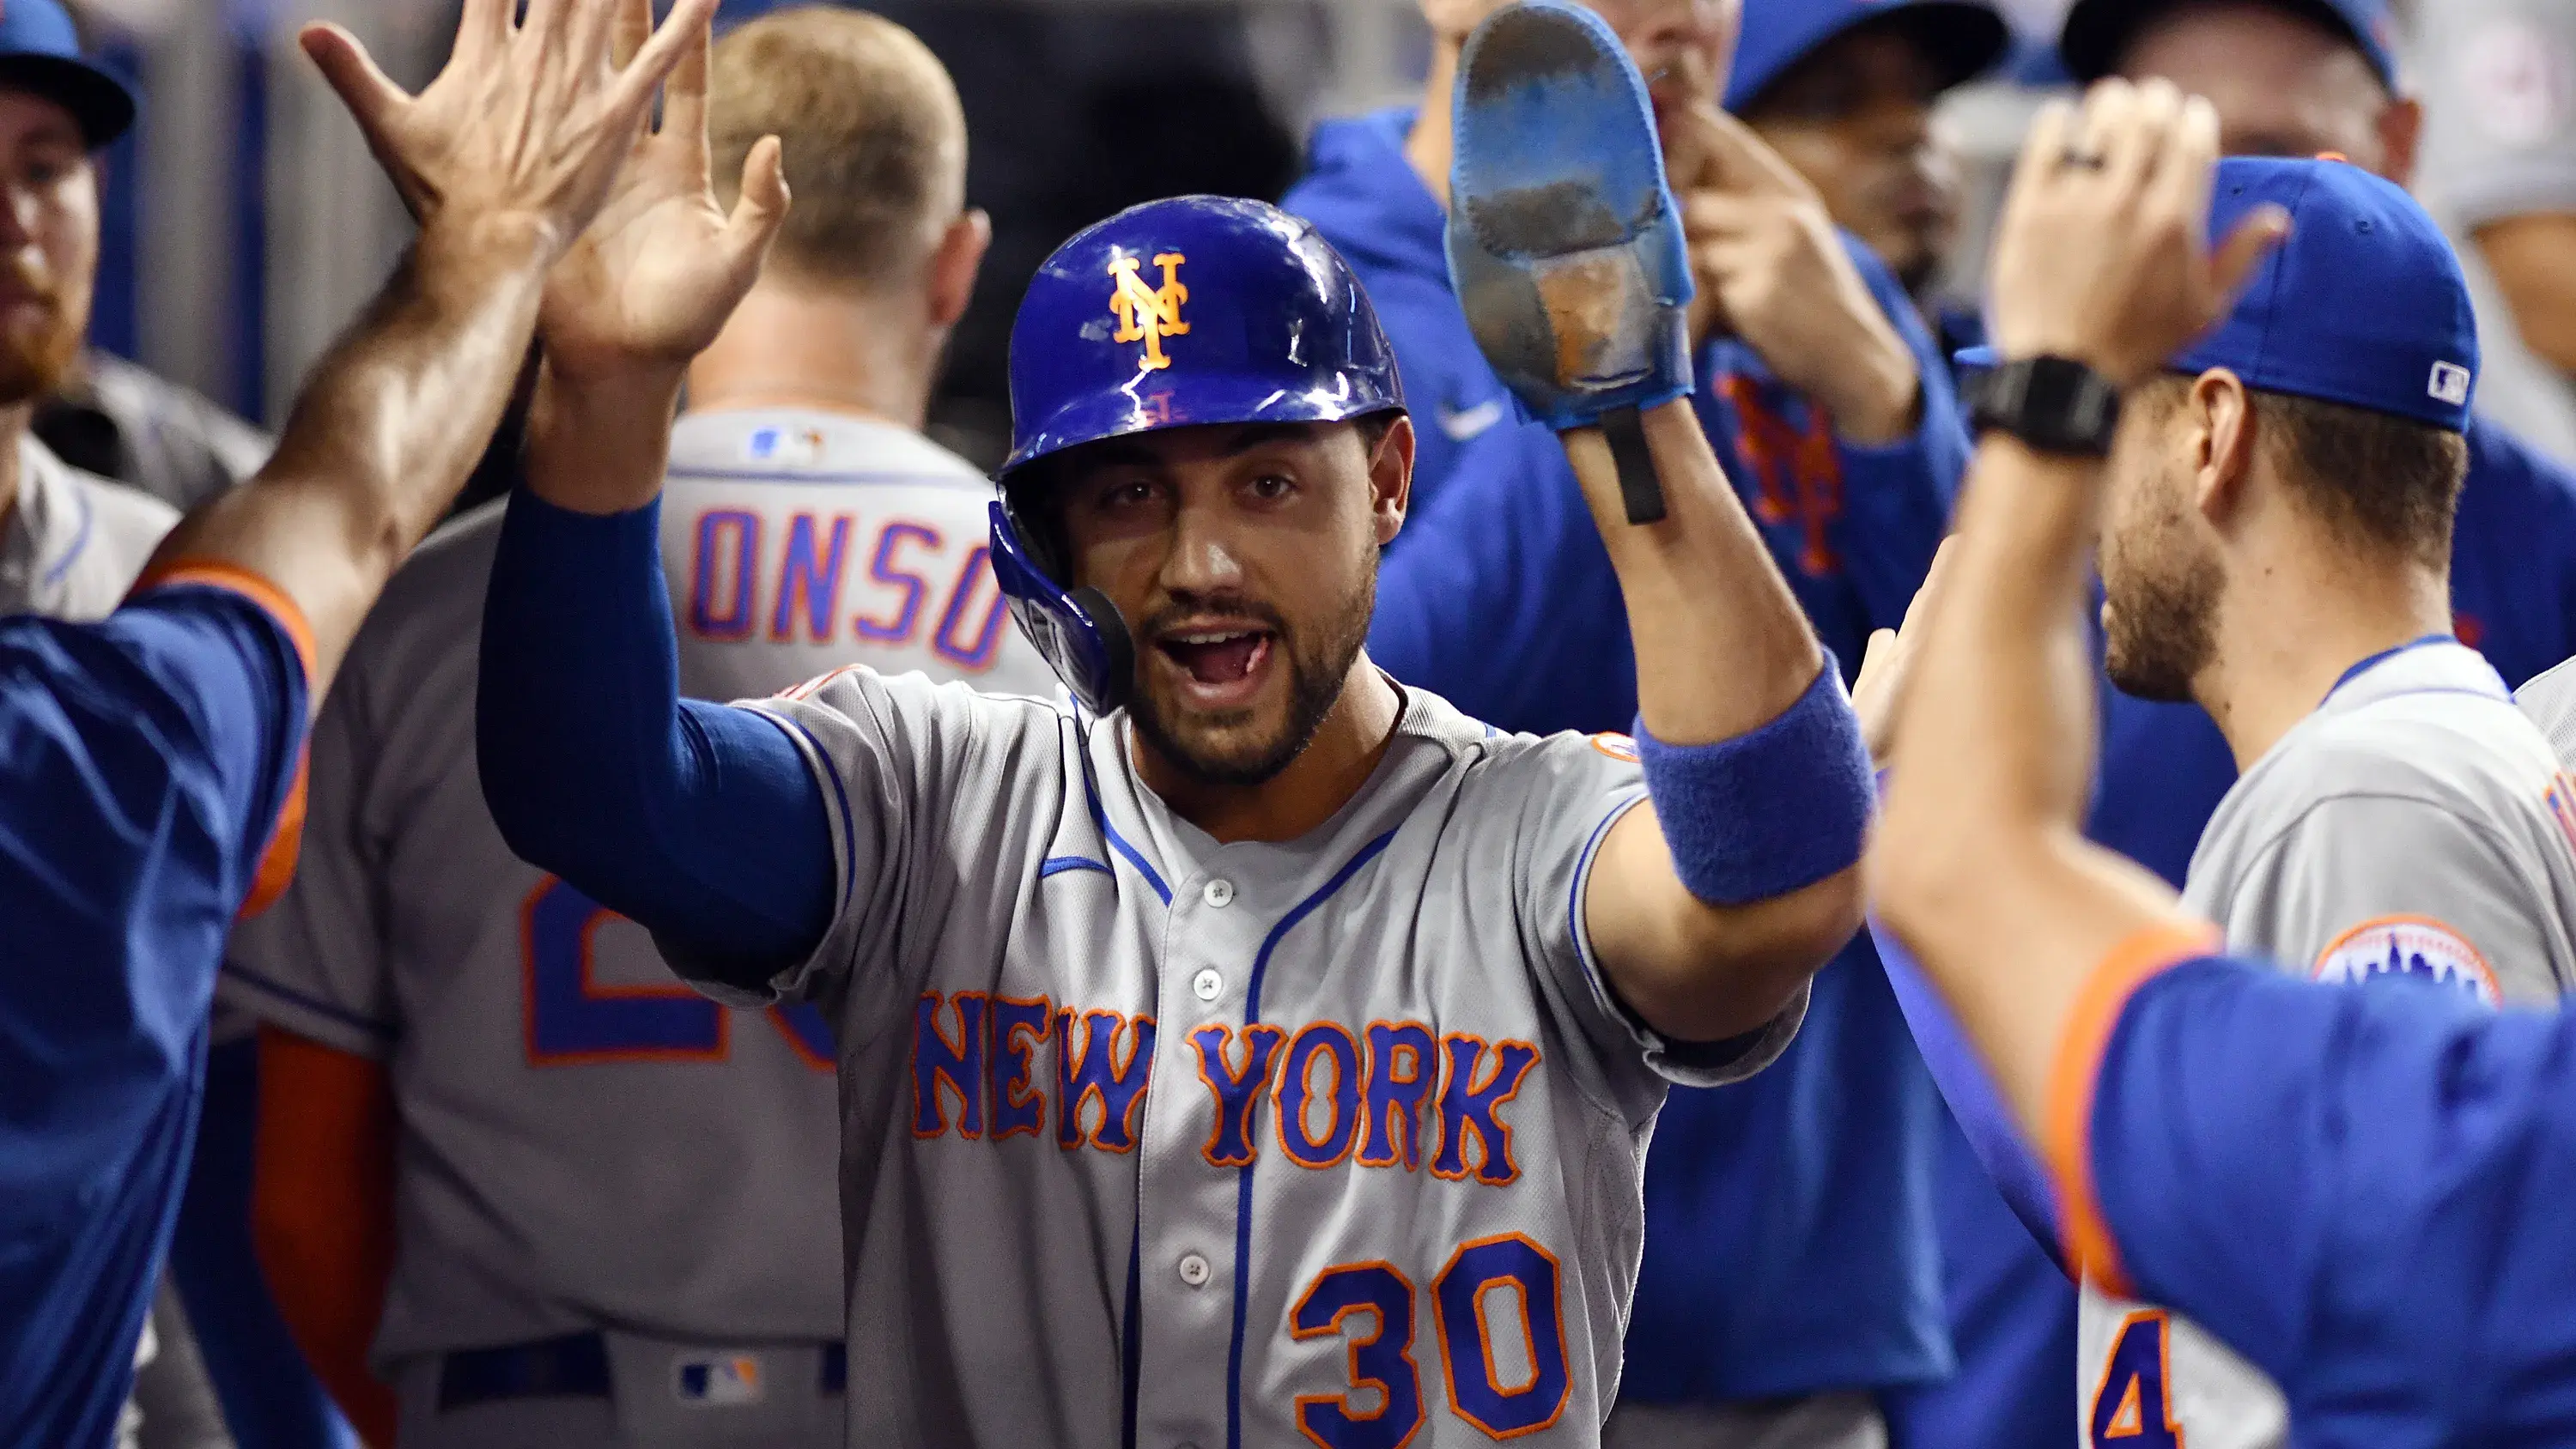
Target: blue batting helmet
(1174,314)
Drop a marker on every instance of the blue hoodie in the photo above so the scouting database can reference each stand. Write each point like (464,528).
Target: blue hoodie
(1789,1221)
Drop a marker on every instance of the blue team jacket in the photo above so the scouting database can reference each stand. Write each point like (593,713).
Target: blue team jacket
(1789,1221)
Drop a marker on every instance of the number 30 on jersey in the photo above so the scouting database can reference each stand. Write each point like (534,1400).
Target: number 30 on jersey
(1501,1340)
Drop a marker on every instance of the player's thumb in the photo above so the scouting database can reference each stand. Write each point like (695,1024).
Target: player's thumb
(761,208)
(2245,248)
(353,76)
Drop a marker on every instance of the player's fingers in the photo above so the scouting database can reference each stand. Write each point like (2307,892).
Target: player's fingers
(1920,607)
(1710,215)
(2237,257)
(482,27)
(632,26)
(2042,153)
(352,74)
(1744,162)
(2134,152)
(686,24)
(761,208)
(2098,143)
(2190,167)
(684,95)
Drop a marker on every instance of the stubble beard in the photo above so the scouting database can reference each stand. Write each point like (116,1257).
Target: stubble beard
(1317,671)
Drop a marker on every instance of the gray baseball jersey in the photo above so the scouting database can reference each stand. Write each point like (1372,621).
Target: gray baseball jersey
(586,1142)
(75,542)
(1336,1141)
(2416,824)
(2548,700)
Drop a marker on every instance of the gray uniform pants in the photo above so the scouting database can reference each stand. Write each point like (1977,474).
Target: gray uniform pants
(1825,1421)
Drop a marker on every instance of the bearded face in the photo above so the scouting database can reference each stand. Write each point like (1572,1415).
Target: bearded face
(2161,575)
(48,245)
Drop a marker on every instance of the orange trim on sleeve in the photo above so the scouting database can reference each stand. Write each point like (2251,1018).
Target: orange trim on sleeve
(286,838)
(218,574)
(2067,1118)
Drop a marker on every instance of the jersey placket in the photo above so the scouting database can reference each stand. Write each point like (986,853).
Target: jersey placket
(1191,1190)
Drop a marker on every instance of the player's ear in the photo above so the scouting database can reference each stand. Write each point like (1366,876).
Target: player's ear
(2401,134)
(2223,427)
(954,263)
(1391,477)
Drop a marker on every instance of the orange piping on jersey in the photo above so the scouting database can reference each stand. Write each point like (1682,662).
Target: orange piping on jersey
(2066,1136)
(276,866)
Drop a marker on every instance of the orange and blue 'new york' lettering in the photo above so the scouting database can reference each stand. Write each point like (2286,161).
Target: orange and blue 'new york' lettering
(1020,1027)
(1103,1071)
(1402,1072)
(1326,1044)
(954,1064)
(1236,1092)
(1468,1108)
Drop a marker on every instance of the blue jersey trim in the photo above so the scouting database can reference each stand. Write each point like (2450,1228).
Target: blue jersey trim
(729,475)
(1131,1337)
(1118,842)
(1583,873)
(2383,656)
(1243,1190)
(314,1004)
(840,795)
(1059,864)
(88,516)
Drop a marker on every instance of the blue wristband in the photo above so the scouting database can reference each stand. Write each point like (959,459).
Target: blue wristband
(1769,812)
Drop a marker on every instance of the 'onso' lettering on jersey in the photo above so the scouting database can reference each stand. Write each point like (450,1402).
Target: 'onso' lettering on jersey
(1392,1094)
(2408,946)
(807,577)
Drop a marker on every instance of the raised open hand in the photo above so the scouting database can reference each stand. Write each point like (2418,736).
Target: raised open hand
(528,123)
(2103,254)
(652,281)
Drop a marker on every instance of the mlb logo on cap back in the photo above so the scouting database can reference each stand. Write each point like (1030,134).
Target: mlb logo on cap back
(2363,305)
(718,1380)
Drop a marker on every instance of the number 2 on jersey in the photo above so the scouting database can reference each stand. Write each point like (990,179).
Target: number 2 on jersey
(1507,1384)
(574,1021)
(2132,1409)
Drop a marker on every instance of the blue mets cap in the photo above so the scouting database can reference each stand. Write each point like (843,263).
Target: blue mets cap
(2098,31)
(1962,37)
(1201,309)
(40,53)
(2363,305)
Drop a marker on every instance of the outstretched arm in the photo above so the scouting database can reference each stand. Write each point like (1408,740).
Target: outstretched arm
(1701,938)
(504,158)
(1980,866)
(699,821)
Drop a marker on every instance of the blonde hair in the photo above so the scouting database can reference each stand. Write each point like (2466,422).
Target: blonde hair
(875,138)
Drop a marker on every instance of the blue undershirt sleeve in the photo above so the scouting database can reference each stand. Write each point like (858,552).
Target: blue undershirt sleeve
(701,822)
(1897,498)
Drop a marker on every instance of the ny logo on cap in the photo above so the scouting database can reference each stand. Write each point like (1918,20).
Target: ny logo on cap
(2450,383)
(1147,314)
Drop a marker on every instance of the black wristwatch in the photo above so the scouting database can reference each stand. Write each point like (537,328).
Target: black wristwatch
(2054,404)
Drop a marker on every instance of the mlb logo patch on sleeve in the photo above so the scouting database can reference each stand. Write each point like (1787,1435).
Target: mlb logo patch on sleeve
(718,1380)
(2417,946)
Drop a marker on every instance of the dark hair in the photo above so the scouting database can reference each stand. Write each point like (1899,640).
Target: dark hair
(2377,481)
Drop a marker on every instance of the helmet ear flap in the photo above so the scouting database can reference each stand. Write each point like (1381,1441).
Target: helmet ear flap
(1077,631)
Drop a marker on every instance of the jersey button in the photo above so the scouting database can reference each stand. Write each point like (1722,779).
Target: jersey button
(1194,1270)
(1218,893)
(1207,984)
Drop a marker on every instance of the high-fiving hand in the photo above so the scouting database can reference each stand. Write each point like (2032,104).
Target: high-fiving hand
(2103,253)
(653,280)
(528,123)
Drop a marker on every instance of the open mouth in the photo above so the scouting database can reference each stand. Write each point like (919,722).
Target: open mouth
(1220,665)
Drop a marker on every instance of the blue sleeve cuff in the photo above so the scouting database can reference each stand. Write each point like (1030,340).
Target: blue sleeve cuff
(1769,812)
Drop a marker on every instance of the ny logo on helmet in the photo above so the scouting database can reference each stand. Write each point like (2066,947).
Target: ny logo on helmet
(1147,314)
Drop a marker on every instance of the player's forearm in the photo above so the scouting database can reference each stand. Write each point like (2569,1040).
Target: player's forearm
(1722,646)
(2002,702)
(388,426)
(599,446)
